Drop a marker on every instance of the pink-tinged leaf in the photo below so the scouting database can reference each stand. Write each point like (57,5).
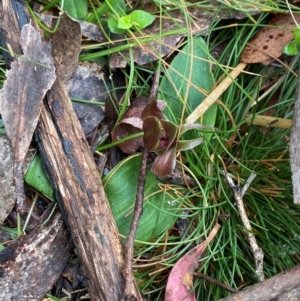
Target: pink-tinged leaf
(131,123)
(164,164)
(152,133)
(180,281)
(188,144)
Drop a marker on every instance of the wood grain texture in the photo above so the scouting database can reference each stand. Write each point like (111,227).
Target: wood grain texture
(295,147)
(74,174)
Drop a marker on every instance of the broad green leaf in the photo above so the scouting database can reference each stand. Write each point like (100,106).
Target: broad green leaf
(160,206)
(188,78)
(113,26)
(37,178)
(125,22)
(141,19)
(77,9)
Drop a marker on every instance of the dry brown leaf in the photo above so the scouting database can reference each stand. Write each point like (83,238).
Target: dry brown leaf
(30,77)
(131,123)
(66,42)
(268,43)
(180,281)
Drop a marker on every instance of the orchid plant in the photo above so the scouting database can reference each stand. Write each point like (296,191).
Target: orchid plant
(163,137)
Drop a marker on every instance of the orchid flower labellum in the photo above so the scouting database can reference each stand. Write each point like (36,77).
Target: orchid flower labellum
(162,137)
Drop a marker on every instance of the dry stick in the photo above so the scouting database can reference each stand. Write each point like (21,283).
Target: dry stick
(138,211)
(215,94)
(295,146)
(216,282)
(238,195)
(270,288)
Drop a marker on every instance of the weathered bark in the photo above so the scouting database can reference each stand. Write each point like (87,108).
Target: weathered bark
(31,264)
(74,174)
(295,146)
(270,288)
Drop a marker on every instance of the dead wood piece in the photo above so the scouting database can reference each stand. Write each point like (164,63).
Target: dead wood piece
(28,80)
(75,177)
(270,288)
(7,189)
(31,264)
(295,146)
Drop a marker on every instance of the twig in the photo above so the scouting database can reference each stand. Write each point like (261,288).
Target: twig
(239,192)
(216,282)
(138,211)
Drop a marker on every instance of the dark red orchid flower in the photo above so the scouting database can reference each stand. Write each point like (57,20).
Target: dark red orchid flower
(162,137)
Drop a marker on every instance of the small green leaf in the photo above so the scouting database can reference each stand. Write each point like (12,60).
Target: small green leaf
(297,35)
(160,202)
(125,22)
(119,8)
(291,48)
(37,178)
(141,19)
(113,26)
(77,9)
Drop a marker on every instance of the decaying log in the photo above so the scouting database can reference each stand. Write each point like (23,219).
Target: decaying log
(73,172)
(75,176)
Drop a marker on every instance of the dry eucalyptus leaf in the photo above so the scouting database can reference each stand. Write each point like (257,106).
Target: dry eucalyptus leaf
(268,43)
(7,189)
(131,123)
(66,42)
(30,77)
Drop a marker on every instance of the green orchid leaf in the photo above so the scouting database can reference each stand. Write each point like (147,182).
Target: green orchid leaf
(152,133)
(125,22)
(113,26)
(160,204)
(189,79)
(141,19)
(183,145)
(164,164)
(37,178)
(77,9)
(291,48)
